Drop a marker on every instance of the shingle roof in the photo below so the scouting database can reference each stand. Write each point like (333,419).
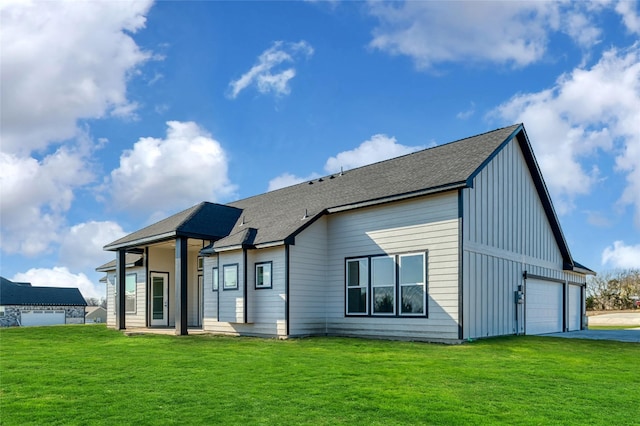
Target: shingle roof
(205,220)
(278,214)
(20,294)
(130,260)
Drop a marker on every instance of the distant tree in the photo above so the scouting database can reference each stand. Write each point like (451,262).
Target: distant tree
(92,301)
(611,290)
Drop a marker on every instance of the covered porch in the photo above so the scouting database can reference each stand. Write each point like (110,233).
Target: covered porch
(172,291)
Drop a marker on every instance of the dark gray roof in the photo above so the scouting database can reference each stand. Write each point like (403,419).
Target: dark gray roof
(207,221)
(20,294)
(278,216)
(131,260)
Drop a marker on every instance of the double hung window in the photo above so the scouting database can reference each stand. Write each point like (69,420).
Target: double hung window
(130,293)
(357,285)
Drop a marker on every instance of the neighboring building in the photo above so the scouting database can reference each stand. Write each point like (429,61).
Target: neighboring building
(95,315)
(453,242)
(21,304)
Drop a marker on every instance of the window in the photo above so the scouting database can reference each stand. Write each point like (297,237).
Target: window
(383,285)
(130,293)
(263,275)
(200,263)
(387,285)
(214,279)
(412,284)
(357,284)
(230,277)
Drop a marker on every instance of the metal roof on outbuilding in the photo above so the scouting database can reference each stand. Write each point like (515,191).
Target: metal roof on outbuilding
(20,294)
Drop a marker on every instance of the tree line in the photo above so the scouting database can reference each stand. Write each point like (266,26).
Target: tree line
(614,290)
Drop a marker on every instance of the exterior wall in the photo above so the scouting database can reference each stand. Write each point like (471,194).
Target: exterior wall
(133,319)
(505,232)
(11,316)
(428,224)
(224,309)
(308,287)
(163,260)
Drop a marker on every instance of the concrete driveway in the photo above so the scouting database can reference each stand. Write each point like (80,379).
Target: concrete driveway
(627,335)
(630,319)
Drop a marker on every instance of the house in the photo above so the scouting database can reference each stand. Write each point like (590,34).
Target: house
(453,242)
(95,315)
(21,304)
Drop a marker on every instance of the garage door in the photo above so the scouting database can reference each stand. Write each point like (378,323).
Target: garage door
(29,318)
(544,307)
(575,307)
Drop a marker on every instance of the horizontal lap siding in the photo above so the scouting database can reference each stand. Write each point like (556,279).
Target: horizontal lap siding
(231,301)
(425,224)
(265,306)
(308,281)
(505,232)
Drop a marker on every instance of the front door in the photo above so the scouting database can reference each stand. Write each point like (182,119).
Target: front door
(159,301)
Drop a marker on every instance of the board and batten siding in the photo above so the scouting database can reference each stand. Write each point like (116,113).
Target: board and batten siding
(224,309)
(505,232)
(308,281)
(426,224)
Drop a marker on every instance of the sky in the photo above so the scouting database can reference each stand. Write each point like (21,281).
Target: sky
(117,114)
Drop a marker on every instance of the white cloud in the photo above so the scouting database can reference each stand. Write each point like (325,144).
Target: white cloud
(586,111)
(162,175)
(266,74)
(438,32)
(628,11)
(620,255)
(63,61)
(287,179)
(59,277)
(81,246)
(36,195)
(380,147)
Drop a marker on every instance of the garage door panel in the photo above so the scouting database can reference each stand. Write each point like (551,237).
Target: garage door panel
(544,308)
(36,317)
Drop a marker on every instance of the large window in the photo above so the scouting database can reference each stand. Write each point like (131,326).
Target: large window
(263,275)
(230,277)
(357,285)
(387,285)
(383,285)
(412,284)
(130,293)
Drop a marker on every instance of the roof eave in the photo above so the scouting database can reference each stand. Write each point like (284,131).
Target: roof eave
(142,241)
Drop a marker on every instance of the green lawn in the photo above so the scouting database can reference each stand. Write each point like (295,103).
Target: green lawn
(91,375)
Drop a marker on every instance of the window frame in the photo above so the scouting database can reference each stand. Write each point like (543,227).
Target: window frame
(422,284)
(397,286)
(365,286)
(128,294)
(263,265)
(200,263)
(215,278)
(225,287)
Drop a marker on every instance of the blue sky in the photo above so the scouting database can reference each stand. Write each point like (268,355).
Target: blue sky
(117,114)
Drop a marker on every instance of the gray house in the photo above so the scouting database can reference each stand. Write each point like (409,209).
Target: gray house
(453,242)
(21,304)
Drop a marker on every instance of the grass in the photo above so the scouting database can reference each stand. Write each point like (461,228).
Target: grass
(93,375)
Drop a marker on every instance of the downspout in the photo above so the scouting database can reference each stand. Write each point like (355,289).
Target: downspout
(286,288)
(246,300)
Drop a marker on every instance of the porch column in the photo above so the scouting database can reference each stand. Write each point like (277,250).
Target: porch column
(181,286)
(121,277)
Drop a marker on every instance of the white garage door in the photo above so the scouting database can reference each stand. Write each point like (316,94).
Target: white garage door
(544,307)
(575,307)
(29,318)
